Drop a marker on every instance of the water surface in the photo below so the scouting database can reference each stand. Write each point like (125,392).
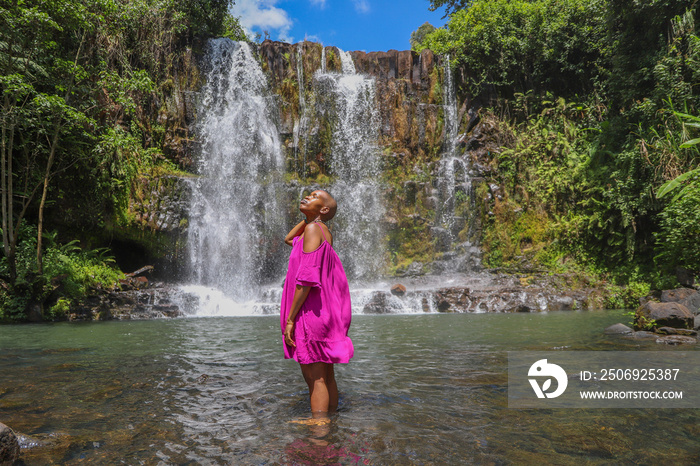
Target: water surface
(422,389)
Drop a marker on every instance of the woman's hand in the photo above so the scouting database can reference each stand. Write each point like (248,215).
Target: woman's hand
(288,332)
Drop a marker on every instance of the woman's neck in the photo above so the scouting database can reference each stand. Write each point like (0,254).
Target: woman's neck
(314,220)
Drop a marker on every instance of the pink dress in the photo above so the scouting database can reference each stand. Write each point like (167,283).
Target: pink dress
(322,323)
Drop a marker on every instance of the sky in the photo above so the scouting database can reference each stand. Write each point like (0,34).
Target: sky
(368,25)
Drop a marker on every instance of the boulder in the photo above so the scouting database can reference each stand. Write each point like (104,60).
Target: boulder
(398,290)
(9,445)
(378,304)
(617,329)
(688,297)
(563,303)
(677,340)
(663,315)
(455,299)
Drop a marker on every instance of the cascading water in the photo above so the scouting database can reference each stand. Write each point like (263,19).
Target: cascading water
(346,63)
(235,217)
(453,185)
(240,201)
(301,123)
(355,168)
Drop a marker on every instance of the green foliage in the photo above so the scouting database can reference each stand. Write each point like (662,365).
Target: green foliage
(626,297)
(208,18)
(60,310)
(69,273)
(451,6)
(233,29)
(80,270)
(86,91)
(598,103)
(418,36)
(519,45)
(679,230)
(644,323)
(638,33)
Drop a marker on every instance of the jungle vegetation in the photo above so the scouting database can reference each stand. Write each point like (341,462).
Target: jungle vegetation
(601,100)
(81,81)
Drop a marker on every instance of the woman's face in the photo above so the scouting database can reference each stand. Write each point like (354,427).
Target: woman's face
(313,203)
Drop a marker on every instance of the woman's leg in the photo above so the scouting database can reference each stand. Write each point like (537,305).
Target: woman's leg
(323,391)
(332,388)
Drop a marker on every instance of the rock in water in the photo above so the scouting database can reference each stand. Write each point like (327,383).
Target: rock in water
(673,315)
(617,329)
(641,335)
(9,446)
(677,340)
(398,290)
(377,304)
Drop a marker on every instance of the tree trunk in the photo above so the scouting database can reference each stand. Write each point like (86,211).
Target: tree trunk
(52,154)
(7,194)
(47,176)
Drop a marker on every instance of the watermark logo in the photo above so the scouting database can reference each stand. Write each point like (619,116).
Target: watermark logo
(542,368)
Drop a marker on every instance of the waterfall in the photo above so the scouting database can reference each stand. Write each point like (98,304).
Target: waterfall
(300,123)
(454,186)
(346,62)
(236,219)
(355,167)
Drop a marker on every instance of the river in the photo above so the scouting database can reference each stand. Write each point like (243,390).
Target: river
(422,389)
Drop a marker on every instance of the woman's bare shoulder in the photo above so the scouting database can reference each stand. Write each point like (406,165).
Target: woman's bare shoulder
(312,237)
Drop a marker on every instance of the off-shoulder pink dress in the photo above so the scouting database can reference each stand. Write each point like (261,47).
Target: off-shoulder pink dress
(322,323)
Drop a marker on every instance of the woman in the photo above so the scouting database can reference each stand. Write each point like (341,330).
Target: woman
(316,311)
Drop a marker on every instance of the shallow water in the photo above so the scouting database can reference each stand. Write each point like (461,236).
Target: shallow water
(422,389)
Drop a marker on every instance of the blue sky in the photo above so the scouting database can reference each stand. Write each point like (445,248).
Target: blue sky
(369,25)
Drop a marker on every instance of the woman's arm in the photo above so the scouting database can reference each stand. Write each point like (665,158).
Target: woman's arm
(294,232)
(300,294)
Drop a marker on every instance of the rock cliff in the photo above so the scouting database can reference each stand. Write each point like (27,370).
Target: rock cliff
(410,94)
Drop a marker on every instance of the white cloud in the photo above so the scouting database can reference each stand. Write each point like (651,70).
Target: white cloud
(319,3)
(263,15)
(361,6)
(313,38)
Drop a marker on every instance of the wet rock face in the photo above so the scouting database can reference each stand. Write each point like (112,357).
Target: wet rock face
(407,65)
(509,299)
(677,340)
(162,204)
(405,83)
(136,302)
(9,446)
